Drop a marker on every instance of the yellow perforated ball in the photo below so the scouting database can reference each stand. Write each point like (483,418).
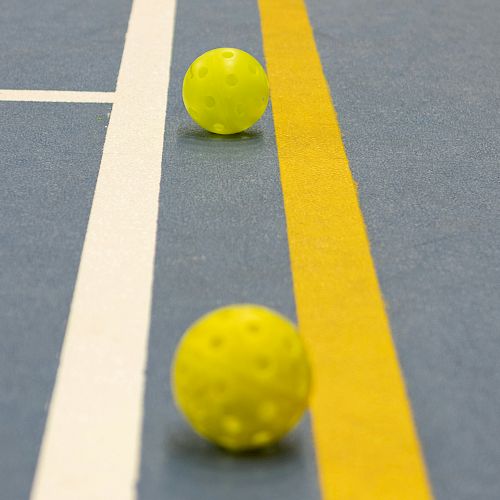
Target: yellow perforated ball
(225,90)
(241,377)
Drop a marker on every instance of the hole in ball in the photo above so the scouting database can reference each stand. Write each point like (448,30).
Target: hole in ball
(203,72)
(227,54)
(253,326)
(231,424)
(263,363)
(267,411)
(262,438)
(216,341)
(209,101)
(232,80)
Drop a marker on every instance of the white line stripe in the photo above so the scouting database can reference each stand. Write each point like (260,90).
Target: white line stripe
(92,440)
(56,96)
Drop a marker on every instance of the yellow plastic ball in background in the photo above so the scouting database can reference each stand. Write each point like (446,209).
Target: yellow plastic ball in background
(241,377)
(225,90)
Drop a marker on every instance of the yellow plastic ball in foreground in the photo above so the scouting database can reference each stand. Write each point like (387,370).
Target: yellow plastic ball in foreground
(225,90)
(241,376)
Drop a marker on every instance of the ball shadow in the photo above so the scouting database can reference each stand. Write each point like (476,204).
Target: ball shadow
(194,136)
(187,446)
(192,464)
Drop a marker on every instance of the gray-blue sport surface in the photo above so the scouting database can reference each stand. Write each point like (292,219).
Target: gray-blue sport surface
(50,160)
(221,240)
(417,89)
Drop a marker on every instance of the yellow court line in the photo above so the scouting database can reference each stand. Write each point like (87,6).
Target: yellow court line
(365,439)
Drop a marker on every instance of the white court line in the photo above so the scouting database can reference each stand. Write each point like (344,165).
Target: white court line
(92,441)
(56,96)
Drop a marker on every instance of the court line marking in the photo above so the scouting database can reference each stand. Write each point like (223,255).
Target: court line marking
(91,446)
(56,96)
(365,439)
